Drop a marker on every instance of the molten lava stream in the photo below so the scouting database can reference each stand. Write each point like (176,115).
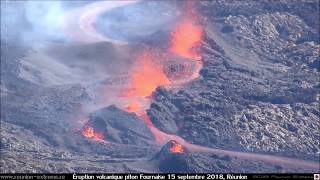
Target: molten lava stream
(146,77)
(185,38)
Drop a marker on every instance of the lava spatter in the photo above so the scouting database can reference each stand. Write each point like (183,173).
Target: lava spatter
(185,38)
(90,133)
(176,147)
(147,76)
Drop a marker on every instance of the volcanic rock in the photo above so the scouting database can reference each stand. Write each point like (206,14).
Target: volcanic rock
(173,157)
(120,126)
(264,58)
(172,147)
(188,161)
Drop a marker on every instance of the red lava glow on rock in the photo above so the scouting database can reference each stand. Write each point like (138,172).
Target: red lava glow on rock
(185,37)
(89,132)
(176,148)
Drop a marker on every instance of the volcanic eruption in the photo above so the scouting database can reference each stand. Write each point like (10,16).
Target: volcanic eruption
(155,67)
(89,132)
(152,68)
(158,86)
(151,71)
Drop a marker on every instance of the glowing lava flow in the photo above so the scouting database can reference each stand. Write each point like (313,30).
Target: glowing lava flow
(185,38)
(147,76)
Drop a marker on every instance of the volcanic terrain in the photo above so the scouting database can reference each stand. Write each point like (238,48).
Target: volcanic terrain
(160,86)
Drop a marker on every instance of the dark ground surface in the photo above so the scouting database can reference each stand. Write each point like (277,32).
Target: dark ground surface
(258,92)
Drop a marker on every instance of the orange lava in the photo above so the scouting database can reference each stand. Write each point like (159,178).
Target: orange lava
(185,37)
(88,132)
(176,148)
(147,76)
(133,107)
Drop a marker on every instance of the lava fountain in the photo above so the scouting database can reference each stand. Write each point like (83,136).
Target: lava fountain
(147,76)
(185,38)
(187,33)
